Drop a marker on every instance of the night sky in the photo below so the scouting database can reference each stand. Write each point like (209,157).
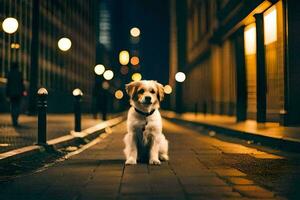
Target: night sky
(152,17)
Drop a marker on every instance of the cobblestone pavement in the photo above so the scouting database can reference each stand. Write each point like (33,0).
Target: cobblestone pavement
(26,134)
(197,170)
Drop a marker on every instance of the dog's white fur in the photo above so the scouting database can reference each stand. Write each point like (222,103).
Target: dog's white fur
(145,131)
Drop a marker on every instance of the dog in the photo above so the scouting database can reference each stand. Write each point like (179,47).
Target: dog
(144,140)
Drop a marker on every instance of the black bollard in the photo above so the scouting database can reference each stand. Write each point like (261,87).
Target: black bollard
(77,93)
(196,109)
(204,108)
(42,116)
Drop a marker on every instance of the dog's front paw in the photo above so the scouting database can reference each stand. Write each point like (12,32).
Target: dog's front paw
(130,161)
(154,162)
(164,157)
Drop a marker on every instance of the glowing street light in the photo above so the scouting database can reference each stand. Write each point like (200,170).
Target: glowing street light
(64,44)
(99,69)
(119,94)
(180,77)
(124,57)
(10,25)
(167,89)
(135,32)
(136,77)
(108,75)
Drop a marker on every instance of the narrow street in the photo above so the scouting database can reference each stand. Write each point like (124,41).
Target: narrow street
(200,167)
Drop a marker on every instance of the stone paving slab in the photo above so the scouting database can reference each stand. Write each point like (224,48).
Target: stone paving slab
(99,173)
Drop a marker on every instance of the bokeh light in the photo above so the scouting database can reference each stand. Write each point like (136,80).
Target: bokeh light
(42,91)
(99,69)
(64,44)
(15,45)
(124,70)
(124,57)
(167,89)
(10,25)
(135,60)
(180,77)
(77,92)
(136,77)
(108,75)
(135,32)
(119,94)
(105,85)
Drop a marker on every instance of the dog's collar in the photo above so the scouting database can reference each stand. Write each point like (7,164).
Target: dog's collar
(144,113)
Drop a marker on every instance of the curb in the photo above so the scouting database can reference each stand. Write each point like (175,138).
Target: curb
(287,144)
(67,140)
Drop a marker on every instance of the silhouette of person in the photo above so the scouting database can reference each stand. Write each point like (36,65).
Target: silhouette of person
(15,89)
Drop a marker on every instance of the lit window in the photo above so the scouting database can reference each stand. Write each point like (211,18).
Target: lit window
(270,25)
(250,39)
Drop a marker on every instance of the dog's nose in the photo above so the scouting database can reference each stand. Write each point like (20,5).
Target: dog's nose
(148,99)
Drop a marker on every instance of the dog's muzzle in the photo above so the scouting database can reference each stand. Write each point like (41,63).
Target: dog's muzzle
(147,100)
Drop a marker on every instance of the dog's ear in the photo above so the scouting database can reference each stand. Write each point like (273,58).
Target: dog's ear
(131,88)
(160,91)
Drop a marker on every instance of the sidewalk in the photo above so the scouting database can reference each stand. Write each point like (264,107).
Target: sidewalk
(99,173)
(270,133)
(25,135)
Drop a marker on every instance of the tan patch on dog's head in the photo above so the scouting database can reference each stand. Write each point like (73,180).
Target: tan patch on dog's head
(131,89)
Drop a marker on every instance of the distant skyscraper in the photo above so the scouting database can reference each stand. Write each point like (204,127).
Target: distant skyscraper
(104,25)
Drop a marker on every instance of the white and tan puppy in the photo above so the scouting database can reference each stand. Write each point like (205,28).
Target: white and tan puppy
(145,139)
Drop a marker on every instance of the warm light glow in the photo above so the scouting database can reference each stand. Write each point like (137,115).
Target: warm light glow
(64,44)
(136,77)
(270,25)
(124,70)
(10,25)
(135,60)
(105,85)
(99,69)
(124,57)
(108,75)
(119,94)
(167,89)
(135,32)
(14,45)
(77,92)
(42,91)
(250,39)
(180,77)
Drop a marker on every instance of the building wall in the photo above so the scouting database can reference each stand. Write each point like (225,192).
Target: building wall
(274,57)
(210,69)
(60,72)
(213,32)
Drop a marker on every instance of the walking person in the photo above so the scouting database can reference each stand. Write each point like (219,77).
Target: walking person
(15,89)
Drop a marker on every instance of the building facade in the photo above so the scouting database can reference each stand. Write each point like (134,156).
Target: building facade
(34,47)
(240,58)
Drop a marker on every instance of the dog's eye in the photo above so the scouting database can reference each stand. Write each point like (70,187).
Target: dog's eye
(152,91)
(141,91)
